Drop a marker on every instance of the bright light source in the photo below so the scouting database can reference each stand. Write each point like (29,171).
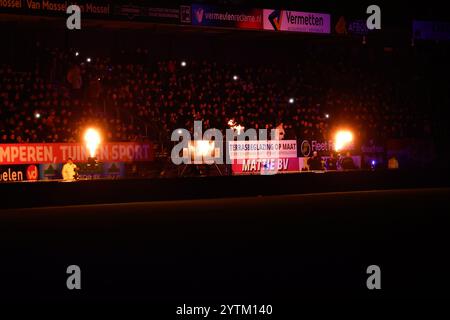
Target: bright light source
(239,129)
(37,115)
(88,60)
(201,148)
(98,79)
(77,54)
(291,100)
(342,139)
(92,139)
(183,63)
(233,125)
(327,115)
(235,77)
(204,147)
(179,131)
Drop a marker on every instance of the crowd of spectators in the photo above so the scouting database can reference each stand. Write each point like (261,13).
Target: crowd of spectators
(132,97)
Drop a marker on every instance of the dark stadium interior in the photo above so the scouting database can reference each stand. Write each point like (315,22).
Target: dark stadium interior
(166,234)
(136,91)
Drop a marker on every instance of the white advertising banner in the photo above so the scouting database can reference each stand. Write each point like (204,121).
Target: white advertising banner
(296,21)
(264,149)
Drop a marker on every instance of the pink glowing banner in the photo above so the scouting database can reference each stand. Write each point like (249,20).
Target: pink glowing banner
(296,21)
(265,166)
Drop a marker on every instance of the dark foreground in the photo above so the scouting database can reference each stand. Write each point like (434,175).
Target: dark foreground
(262,249)
(54,193)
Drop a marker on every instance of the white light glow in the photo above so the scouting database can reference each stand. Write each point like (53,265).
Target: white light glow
(201,148)
(342,139)
(92,139)
(233,125)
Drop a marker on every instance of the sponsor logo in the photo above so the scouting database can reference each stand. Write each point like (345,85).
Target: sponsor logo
(305,148)
(32,173)
(11,175)
(232,17)
(199,15)
(265,164)
(275,19)
(295,21)
(45,153)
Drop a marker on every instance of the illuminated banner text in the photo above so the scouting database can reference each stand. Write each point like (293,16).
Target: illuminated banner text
(283,20)
(60,152)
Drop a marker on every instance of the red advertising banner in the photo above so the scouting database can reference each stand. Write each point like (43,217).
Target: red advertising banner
(59,152)
(265,166)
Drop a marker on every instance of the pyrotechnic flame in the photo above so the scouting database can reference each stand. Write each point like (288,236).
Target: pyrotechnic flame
(92,139)
(204,147)
(342,139)
(239,128)
(233,125)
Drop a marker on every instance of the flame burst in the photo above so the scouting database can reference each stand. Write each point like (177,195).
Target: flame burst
(342,139)
(92,139)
